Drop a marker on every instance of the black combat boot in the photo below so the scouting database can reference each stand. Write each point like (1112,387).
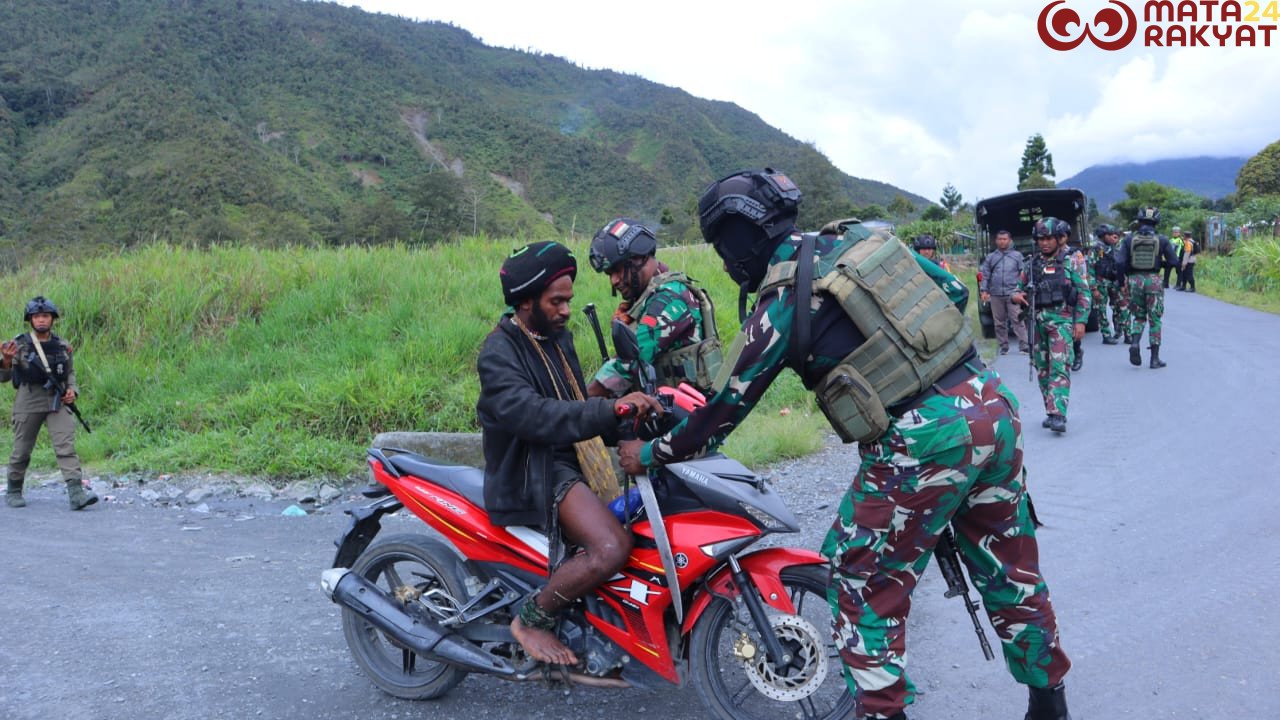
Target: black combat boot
(1135,353)
(1048,703)
(1110,340)
(1077,362)
(1058,423)
(1156,362)
(79,496)
(13,494)
(1045,423)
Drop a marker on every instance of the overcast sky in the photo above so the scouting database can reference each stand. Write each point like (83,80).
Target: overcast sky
(915,94)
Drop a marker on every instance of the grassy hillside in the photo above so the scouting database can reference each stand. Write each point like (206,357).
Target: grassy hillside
(280,122)
(286,362)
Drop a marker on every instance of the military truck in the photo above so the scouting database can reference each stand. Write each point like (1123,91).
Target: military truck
(1018,212)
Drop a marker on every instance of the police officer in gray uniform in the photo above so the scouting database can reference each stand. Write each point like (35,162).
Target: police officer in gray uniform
(37,362)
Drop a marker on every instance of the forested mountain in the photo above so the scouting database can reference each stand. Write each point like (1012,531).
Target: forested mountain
(278,121)
(1209,177)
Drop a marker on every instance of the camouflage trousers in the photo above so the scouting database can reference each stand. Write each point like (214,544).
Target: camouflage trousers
(1115,294)
(957,458)
(1051,355)
(1146,302)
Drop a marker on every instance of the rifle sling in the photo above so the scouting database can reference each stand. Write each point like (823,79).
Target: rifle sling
(40,351)
(804,299)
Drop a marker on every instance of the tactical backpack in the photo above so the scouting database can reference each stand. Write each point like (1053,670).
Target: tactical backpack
(914,332)
(1144,255)
(697,364)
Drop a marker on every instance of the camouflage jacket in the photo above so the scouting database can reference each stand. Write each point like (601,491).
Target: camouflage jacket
(670,319)
(1060,266)
(762,349)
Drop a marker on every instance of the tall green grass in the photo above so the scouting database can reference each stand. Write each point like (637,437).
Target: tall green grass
(1250,276)
(286,363)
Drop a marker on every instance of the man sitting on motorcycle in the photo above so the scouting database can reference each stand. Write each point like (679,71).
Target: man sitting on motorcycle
(540,432)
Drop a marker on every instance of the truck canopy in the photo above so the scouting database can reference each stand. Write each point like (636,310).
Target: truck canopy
(1018,212)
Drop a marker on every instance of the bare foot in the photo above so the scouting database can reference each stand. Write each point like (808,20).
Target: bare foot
(542,644)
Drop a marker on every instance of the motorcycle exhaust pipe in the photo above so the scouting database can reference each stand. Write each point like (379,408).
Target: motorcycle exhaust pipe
(425,637)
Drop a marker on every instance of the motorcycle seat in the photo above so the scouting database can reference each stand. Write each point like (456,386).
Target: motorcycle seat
(465,480)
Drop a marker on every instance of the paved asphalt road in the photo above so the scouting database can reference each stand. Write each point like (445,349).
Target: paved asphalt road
(1161,550)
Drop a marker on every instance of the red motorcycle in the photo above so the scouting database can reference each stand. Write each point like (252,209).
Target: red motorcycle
(419,615)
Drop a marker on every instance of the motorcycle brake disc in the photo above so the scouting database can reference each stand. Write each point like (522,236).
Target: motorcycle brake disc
(807,670)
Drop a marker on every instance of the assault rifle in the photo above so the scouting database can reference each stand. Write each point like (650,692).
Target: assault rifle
(59,389)
(590,312)
(949,563)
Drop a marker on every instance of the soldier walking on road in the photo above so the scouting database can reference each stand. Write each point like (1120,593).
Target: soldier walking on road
(1080,264)
(1060,298)
(1109,287)
(1140,258)
(38,363)
(1001,272)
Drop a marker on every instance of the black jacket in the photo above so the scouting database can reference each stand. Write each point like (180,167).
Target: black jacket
(523,423)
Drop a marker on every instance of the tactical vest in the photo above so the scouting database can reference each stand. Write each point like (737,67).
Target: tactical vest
(697,364)
(1052,285)
(1144,255)
(1105,266)
(27,368)
(914,333)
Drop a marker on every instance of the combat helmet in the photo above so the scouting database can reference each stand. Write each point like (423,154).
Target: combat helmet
(1149,215)
(924,242)
(621,239)
(39,304)
(1105,229)
(768,201)
(1050,226)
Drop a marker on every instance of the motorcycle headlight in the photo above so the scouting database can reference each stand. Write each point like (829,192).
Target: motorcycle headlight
(764,519)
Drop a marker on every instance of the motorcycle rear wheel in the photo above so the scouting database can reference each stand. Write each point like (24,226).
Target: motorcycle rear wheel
(411,565)
(727,658)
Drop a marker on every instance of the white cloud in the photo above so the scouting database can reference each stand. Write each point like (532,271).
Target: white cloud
(918,94)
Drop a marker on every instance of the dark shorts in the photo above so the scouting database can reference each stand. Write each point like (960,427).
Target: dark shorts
(564,475)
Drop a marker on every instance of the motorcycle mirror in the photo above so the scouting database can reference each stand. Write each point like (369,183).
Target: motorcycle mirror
(625,344)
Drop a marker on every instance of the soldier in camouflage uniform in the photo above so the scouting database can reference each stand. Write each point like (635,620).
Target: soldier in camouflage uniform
(1140,257)
(1109,288)
(673,318)
(1080,264)
(949,452)
(34,361)
(1060,298)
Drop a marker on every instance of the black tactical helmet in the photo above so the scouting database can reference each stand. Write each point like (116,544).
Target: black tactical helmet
(39,304)
(1105,229)
(767,200)
(1149,215)
(924,242)
(1048,226)
(621,239)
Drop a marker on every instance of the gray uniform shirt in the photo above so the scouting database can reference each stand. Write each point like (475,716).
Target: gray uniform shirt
(1000,272)
(34,398)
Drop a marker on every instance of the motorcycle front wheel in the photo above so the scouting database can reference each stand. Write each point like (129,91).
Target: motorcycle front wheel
(413,569)
(736,681)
